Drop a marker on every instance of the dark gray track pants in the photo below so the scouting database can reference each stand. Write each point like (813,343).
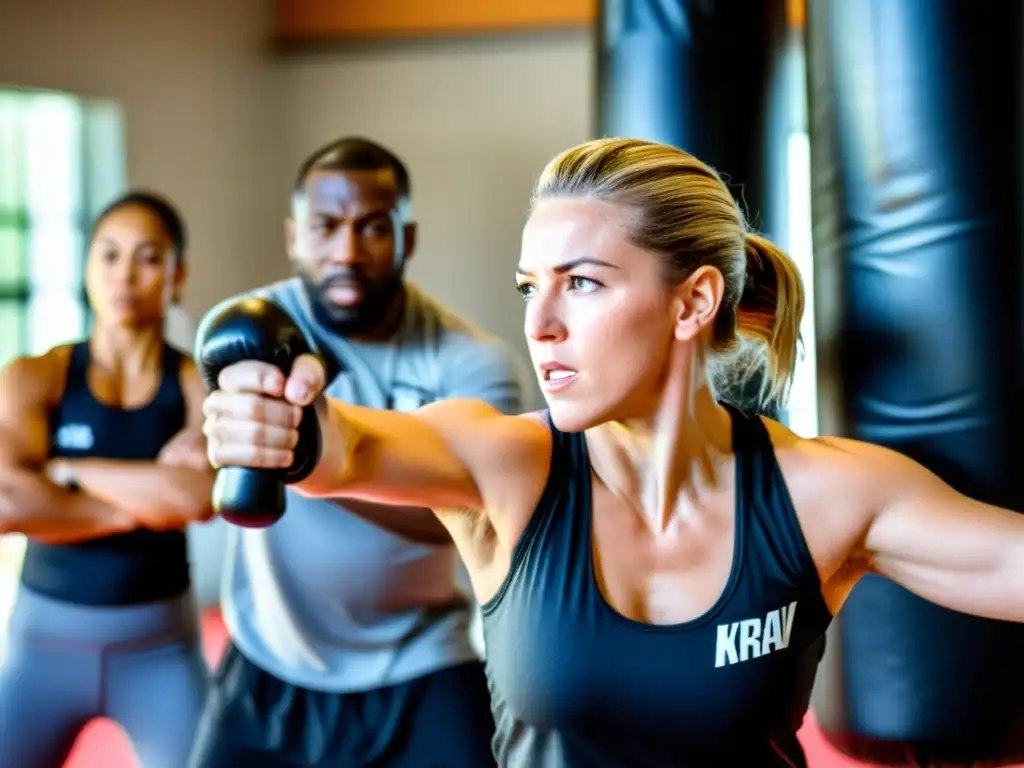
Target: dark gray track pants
(65,664)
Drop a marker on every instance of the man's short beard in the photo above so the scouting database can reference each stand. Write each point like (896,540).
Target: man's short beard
(365,317)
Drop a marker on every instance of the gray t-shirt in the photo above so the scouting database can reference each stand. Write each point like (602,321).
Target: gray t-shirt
(326,600)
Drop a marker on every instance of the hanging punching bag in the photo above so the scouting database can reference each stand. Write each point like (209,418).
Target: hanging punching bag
(917,137)
(701,75)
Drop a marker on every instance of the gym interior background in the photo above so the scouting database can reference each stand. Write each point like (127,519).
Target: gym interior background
(195,99)
(188,97)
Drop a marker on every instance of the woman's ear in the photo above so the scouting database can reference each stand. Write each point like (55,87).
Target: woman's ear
(697,301)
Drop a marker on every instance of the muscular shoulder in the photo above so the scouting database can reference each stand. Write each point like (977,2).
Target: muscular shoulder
(39,378)
(838,485)
(509,456)
(832,465)
(816,469)
(467,420)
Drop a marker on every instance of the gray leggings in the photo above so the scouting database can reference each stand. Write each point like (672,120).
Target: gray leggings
(65,664)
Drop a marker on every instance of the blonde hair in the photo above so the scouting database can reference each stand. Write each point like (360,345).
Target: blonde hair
(685,214)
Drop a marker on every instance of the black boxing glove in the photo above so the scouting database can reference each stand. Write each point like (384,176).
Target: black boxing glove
(255,329)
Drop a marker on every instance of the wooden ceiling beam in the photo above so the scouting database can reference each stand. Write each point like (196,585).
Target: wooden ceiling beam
(324,20)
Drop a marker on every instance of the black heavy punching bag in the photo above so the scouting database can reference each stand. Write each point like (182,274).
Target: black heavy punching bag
(916,134)
(700,75)
(255,329)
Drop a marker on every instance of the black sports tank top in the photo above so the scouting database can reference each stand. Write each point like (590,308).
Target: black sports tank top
(136,567)
(576,684)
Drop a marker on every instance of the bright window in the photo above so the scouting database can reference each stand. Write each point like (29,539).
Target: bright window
(61,161)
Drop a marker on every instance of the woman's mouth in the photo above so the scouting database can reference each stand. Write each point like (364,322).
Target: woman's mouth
(557,379)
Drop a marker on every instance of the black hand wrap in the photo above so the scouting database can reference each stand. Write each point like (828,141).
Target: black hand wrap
(255,329)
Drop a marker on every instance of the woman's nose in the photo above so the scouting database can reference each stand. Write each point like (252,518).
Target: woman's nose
(543,320)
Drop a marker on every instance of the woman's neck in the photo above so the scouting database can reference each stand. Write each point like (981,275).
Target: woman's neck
(128,350)
(661,465)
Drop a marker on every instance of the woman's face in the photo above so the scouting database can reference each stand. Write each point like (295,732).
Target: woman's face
(132,274)
(600,318)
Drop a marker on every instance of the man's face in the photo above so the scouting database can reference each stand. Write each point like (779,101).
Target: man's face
(342,241)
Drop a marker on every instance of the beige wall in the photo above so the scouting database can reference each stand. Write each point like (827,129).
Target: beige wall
(218,123)
(195,84)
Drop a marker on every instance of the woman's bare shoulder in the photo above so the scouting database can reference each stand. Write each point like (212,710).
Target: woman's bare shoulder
(504,454)
(836,485)
(828,457)
(509,458)
(43,375)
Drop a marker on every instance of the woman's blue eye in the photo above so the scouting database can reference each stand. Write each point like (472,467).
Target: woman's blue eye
(583,284)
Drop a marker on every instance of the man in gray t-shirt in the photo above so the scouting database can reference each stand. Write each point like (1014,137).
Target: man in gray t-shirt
(349,627)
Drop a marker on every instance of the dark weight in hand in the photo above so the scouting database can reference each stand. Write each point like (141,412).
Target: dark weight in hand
(255,329)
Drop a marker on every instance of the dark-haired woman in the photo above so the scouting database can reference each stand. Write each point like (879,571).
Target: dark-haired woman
(102,466)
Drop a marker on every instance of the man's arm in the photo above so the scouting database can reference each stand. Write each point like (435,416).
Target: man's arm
(167,493)
(943,546)
(478,371)
(29,503)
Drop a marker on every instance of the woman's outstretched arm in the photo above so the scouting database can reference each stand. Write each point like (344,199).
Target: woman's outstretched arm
(914,528)
(450,455)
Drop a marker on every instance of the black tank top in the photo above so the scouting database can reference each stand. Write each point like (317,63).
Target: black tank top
(136,567)
(576,684)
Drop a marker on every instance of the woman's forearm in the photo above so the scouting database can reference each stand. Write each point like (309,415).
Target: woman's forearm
(144,488)
(35,507)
